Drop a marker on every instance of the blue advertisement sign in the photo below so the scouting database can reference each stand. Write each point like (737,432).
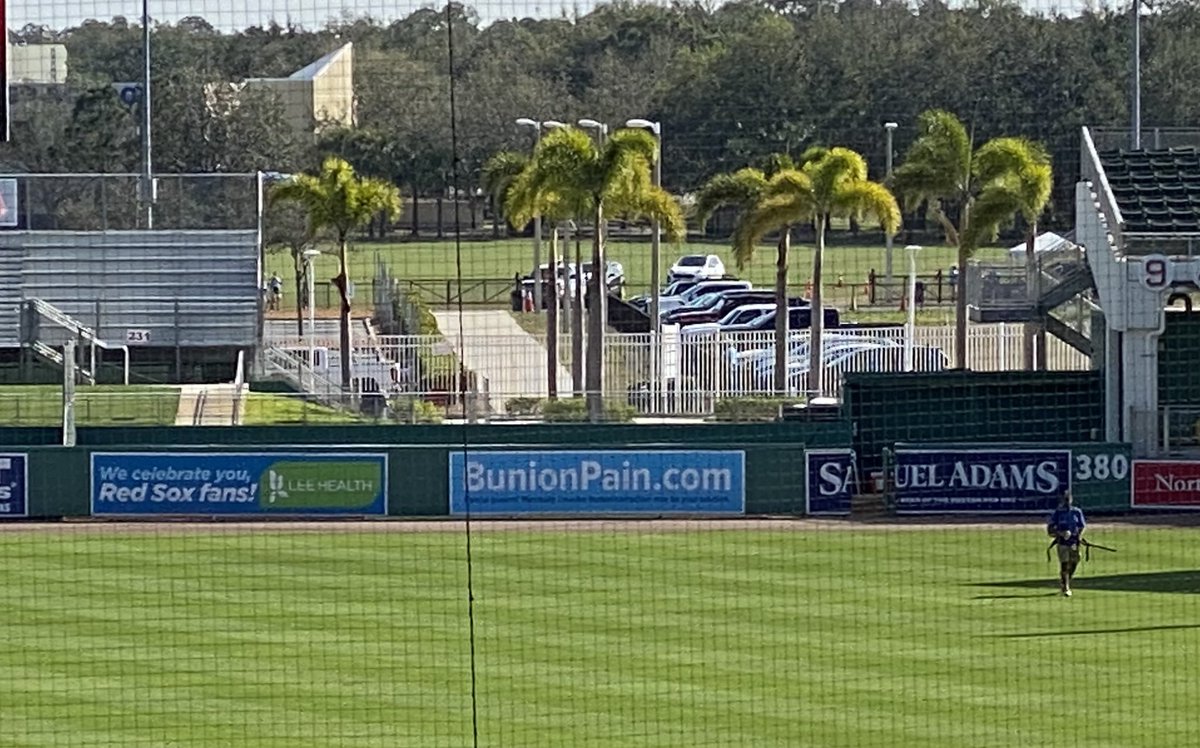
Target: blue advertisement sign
(597,482)
(1006,480)
(238,483)
(14,483)
(831,477)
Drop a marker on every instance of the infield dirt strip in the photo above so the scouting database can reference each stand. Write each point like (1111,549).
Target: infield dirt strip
(807,524)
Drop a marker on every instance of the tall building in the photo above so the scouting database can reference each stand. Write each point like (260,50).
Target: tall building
(319,93)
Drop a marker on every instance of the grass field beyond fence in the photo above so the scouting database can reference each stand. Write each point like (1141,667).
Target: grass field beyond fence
(145,636)
(100,405)
(432,263)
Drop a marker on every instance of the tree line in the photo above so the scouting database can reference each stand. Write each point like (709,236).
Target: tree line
(734,85)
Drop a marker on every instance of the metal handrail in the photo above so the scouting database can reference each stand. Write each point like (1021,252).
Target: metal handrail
(1093,171)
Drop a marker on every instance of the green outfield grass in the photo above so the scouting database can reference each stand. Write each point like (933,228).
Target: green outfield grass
(952,636)
(100,405)
(429,262)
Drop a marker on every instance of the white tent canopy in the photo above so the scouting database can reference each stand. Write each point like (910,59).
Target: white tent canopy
(1044,243)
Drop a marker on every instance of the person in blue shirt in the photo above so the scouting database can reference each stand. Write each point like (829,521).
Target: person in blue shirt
(1066,525)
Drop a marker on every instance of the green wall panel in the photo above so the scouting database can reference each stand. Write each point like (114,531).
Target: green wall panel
(967,406)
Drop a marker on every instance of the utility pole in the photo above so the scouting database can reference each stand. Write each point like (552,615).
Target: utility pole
(146,191)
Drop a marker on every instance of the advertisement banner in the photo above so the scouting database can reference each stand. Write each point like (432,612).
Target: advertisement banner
(597,482)
(926,481)
(832,479)
(1170,484)
(14,483)
(238,483)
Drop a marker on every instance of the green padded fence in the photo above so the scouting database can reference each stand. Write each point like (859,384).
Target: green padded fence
(418,477)
(1178,352)
(963,406)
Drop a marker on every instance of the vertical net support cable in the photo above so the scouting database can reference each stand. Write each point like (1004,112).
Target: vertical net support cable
(462,378)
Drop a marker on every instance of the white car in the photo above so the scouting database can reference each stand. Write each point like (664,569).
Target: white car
(696,267)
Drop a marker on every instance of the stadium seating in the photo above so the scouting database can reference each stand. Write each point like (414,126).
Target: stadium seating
(1158,191)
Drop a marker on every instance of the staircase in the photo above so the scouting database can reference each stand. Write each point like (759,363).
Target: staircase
(35,314)
(999,293)
(283,365)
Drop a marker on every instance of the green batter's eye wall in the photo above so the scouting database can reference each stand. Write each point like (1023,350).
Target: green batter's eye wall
(1011,406)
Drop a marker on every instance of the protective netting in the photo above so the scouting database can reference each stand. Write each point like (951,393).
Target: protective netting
(427,381)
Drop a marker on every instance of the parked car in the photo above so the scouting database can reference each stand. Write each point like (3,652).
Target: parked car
(696,267)
(728,301)
(614,275)
(864,355)
(667,303)
(568,277)
(740,318)
(675,288)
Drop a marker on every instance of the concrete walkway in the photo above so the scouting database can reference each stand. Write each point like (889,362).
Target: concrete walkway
(494,346)
(216,405)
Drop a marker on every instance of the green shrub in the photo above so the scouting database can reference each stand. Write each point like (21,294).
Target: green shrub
(574,410)
(752,408)
(523,406)
(415,410)
(415,315)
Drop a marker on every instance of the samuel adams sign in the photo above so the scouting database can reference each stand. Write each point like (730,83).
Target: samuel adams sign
(979,480)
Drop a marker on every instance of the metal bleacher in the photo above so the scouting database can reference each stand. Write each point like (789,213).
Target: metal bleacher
(1158,191)
(172,288)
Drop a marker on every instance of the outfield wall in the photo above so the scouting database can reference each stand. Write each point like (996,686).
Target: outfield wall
(366,480)
(781,468)
(570,476)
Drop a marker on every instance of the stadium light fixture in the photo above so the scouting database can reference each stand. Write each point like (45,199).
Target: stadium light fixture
(645,124)
(591,124)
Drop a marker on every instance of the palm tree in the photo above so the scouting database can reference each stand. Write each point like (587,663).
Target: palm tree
(503,176)
(339,201)
(970,192)
(1028,188)
(499,173)
(828,183)
(586,179)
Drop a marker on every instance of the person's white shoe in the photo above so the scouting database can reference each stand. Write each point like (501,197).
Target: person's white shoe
(1066,593)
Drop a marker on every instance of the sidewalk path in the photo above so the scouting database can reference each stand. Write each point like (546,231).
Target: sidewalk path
(493,345)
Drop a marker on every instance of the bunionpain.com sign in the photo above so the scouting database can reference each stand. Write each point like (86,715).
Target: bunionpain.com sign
(242,483)
(597,482)
(1004,480)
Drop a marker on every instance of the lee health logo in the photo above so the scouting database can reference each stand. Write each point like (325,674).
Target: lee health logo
(239,483)
(14,477)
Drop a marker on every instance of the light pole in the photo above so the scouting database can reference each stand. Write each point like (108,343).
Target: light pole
(655,230)
(888,128)
(910,327)
(309,255)
(1136,105)
(655,266)
(537,220)
(146,188)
